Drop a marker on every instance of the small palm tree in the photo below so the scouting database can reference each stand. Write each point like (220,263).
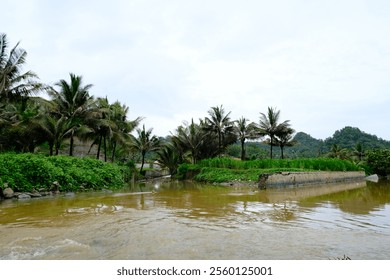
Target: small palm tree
(359,151)
(193,141)
(168,157)
(269,125)
(285,139)
(53,130)
(145,142)
(338,152)
(245,130)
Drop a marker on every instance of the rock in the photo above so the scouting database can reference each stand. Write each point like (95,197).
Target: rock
(8,193)
(55,186)
(35,194)
(24,196)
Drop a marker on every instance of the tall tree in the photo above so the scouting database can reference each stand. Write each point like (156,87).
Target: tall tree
(15,84)
(145,142)
(121,135)
(244,131)
(220,123)
(74,103)
(269,125)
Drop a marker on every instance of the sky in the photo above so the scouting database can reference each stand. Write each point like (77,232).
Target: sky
(324,64)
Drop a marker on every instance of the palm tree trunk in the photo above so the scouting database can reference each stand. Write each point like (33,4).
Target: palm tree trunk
(142,161)
(57,147)
(242,149)
(51,149)
(99,146)
(105,148)
(71,145)
(272,141)
(113,151)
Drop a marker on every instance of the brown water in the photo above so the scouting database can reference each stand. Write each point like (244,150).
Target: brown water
(192,221)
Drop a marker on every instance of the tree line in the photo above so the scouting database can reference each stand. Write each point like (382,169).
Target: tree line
(28,121)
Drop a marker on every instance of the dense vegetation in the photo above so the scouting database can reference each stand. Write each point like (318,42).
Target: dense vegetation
(72,116)
(26,172)
(225,169)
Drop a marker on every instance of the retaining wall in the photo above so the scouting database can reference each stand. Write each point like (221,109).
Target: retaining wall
(286,179)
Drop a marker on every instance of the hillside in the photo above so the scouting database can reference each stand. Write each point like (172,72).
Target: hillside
(308,146)
(347,137)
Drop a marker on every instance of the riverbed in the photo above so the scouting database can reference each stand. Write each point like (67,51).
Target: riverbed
(182,220)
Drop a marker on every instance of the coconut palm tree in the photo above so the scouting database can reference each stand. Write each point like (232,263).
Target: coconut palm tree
(285,139)
(190,139)
(220,123)
(54,131)
(245,130)
(337,151)
(168,157)
(121,135)
(145,142)
(74,103)
(358,151)
(15,84)
(269,125)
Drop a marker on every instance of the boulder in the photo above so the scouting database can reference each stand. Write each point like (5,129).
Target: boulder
(8,193)
(24,196)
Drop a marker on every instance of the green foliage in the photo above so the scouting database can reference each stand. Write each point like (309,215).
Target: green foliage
(187,171)
(324,164)
(220,175)
(227,169)
(23,172)
(379,161)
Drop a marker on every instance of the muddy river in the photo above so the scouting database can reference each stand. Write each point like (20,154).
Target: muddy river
(196,221)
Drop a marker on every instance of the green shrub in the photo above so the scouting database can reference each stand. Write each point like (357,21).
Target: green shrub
(24,172)
(379,161)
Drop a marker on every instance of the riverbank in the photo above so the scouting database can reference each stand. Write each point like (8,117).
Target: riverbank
(271,173)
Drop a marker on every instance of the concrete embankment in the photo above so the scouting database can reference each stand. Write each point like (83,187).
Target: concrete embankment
(291,179)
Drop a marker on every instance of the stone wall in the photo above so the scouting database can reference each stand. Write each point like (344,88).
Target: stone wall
(287,179)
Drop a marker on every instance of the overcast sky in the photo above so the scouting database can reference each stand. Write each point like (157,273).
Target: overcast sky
(324,64)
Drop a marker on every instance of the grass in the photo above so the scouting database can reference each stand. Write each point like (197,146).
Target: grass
(218,170)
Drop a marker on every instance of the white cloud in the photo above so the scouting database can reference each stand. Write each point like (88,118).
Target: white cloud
(323,64)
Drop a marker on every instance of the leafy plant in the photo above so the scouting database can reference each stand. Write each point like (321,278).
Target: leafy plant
(24,172)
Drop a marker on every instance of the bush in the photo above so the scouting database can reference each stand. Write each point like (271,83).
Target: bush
(24,172)
(379,161)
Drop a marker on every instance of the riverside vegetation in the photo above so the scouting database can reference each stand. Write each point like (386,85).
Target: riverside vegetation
(219,170)
(35,133)
(30,172)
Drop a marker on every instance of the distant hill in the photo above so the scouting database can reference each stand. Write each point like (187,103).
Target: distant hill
(308,146)
(347,137)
